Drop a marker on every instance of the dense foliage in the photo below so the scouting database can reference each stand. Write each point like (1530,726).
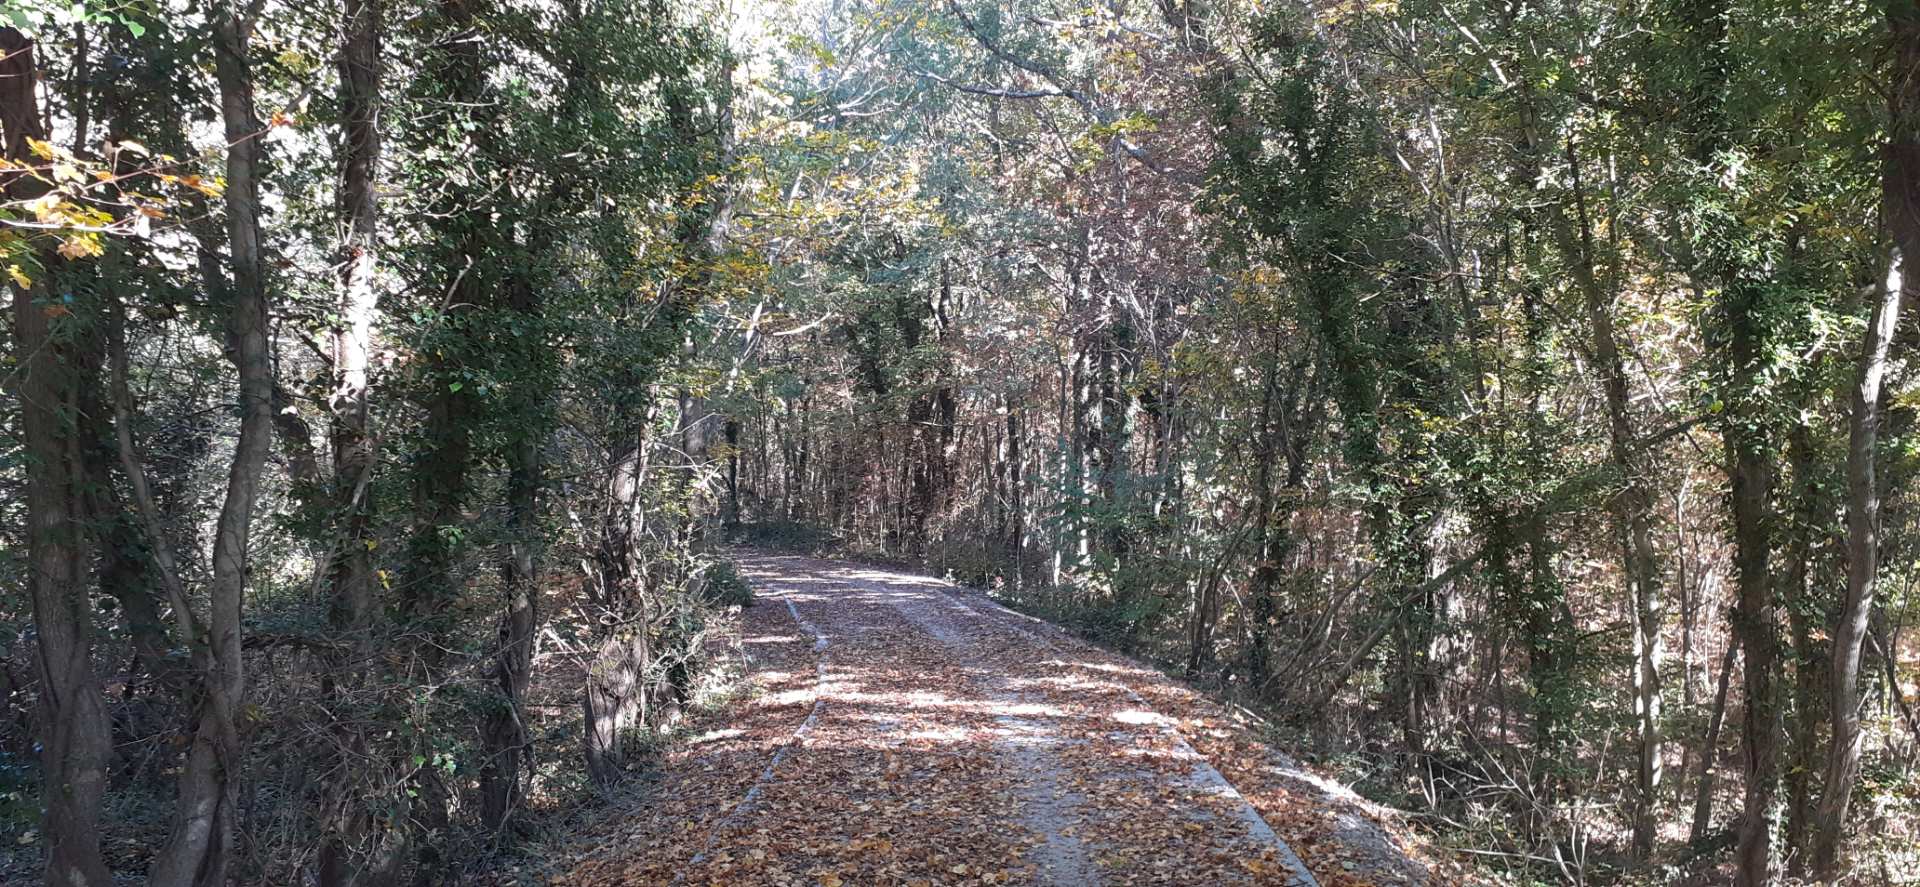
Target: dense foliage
(1510,397)
(303,466)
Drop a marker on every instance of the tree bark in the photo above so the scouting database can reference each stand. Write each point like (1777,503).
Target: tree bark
(75,737)
(1750,467)
(1016,533)
(198,850)
(505,732)
(354,453)
(1800,603)
(1709,751)
(1632,508)
(350,571)
(615,700)
(1901,201)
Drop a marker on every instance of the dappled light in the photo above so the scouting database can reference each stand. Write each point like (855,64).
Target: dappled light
(938,735)
(944,443)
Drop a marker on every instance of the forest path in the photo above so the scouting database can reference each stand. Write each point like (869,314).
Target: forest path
(904,731)
(972,747)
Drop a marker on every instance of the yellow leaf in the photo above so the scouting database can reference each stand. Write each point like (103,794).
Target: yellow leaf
(43,205)
(20,277)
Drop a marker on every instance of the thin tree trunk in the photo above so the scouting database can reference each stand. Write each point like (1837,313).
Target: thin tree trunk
(1269,526)
(508,745)
(1902,211)
(1016,495)
(202,841)
(1741,345)
(1632,507)
(1751,470)
(1809,503)
(1709,751)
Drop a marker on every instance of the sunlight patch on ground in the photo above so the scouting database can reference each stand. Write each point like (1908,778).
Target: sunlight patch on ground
(792,697)
(771,639)
(943,702)
(1061,682)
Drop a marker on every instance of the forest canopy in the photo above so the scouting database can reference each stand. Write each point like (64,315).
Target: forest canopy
(1513,402)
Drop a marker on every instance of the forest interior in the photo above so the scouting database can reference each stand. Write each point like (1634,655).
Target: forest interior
(950,442)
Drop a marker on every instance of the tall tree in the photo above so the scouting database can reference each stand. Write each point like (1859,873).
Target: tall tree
(203,839)
(75,740)
(1901,215)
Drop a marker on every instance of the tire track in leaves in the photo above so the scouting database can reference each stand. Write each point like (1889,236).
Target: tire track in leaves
(747,803)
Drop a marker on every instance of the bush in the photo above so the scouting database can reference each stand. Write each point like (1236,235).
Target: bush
(725,587)
(970,562)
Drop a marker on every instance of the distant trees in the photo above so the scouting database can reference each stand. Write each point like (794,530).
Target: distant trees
(1437,374)
(1374,361)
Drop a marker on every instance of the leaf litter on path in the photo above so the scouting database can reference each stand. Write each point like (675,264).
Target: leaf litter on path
(946,742)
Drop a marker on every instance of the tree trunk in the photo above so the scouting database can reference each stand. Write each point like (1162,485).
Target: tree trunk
(440,473)
(354,455)
(1750,467)
(202,840)
(730,515)
(1741,345)
(1709,752)
(1901,190)
(505,732)
(350,571)
(75,738)
(616,700)
(615,696)
(1269,526)
(1632,508)
(1016,495)
(1799,602)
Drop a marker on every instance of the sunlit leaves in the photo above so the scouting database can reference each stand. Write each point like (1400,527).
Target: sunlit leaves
(32,17)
